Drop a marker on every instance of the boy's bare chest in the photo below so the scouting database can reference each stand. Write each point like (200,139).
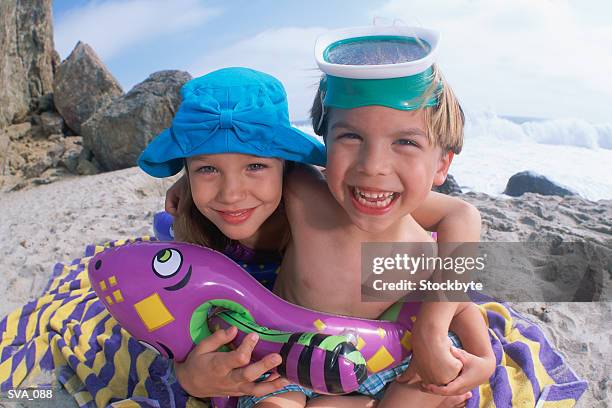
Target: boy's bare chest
(325,275)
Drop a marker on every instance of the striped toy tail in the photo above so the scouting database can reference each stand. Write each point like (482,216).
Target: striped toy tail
(325,363)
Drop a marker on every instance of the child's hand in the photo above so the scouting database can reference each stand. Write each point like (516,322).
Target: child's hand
(476,371)
(209,373)
(432,362)
(173,196)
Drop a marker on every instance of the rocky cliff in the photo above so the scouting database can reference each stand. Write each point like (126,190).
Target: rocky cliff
(27,57)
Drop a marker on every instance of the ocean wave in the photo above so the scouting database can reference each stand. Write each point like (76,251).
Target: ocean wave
(565,132)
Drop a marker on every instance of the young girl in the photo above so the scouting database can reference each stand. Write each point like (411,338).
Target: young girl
(232,136)
(232,200)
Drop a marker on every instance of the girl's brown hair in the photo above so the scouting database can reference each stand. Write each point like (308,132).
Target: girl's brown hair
(191,226)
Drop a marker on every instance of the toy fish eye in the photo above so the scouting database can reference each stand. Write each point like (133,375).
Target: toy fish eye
(167,262)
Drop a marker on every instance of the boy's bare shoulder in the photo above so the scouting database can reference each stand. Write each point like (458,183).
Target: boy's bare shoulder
(304,180)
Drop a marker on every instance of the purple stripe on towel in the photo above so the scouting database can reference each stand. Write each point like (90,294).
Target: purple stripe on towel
(550,359)
(500,384)
(521,354)
(559,392)
(497,323)
(26,311)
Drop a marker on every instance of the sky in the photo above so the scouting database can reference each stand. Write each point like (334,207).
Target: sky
(528,58)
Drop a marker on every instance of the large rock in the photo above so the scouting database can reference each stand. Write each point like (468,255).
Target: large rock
(83,85)
(51,123)
(27,57)
(529,182)
(118,133)
(449,186)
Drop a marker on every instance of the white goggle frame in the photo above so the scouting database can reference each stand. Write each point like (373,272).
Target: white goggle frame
(382,71)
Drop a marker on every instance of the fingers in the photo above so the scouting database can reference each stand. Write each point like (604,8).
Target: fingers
(460,354)
(253,371)
(172,201)
(410,376)
(456,387)
(216,340)
(170,207)
(458,401)
(242,355)
(261,389)
(173,196)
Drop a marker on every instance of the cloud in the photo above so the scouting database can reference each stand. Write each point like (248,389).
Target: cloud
(287,53)
(112,27)
(522,54)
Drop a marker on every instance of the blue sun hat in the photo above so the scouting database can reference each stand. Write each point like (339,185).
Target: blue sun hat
(232,110)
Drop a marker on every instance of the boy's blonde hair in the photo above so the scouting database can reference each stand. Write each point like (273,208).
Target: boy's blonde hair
(444,122)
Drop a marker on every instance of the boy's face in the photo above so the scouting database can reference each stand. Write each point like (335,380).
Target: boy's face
(380,165)
(237,192)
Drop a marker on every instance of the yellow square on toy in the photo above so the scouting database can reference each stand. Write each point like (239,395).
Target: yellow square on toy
(380,360)
(153,312)
(118,296)
(319,325)
(407,340)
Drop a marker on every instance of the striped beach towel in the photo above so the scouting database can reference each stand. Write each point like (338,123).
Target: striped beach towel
(68,332)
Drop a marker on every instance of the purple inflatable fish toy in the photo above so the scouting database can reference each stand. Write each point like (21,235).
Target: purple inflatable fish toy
(167,294)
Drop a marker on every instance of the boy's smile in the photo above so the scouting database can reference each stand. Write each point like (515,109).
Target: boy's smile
(380,164)
(372,201)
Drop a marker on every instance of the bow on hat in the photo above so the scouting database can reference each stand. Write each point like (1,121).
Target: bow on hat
(201,119)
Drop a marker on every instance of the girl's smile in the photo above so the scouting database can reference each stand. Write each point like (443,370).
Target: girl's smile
(236,192)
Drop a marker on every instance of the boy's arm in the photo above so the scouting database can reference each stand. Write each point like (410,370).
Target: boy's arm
(432,360)
(472,330)
(454,220)
(477,355)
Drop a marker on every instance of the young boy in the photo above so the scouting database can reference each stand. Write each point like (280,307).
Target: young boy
(381,165)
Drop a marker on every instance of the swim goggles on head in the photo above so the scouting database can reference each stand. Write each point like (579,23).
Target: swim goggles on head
(375,65)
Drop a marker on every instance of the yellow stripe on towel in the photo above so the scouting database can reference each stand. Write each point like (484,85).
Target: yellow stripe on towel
(522,391)
(486,396)
(534,349)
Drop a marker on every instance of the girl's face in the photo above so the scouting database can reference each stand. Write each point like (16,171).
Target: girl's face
(237,192)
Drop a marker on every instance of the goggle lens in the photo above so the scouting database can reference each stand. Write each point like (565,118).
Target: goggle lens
(376,50)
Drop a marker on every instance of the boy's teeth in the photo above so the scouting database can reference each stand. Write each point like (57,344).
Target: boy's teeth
(377,203)
(373,195)
(373,199)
